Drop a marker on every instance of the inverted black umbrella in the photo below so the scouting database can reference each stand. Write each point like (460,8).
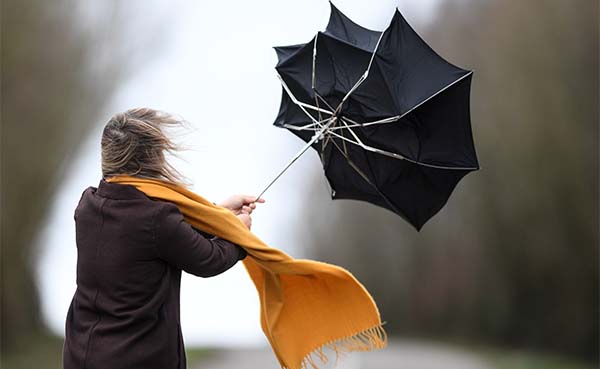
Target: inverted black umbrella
(388,116)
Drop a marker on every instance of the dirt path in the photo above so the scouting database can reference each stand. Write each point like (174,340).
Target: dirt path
(398,355)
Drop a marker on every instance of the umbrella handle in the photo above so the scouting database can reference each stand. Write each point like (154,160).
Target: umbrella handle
(318,135)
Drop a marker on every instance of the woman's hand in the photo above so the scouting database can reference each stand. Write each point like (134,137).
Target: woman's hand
(245,218)
(241,204)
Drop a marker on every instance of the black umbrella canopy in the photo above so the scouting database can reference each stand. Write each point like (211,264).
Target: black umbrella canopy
(388,116)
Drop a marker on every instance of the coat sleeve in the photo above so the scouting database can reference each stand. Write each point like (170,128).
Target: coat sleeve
(179,244)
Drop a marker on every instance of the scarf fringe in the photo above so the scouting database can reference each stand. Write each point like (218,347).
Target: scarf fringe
(373,338)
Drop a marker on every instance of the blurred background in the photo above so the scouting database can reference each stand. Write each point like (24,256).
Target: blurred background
(505,276)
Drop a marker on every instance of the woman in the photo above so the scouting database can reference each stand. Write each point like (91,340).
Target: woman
(131,250)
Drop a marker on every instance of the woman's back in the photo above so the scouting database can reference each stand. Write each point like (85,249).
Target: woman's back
(131,250)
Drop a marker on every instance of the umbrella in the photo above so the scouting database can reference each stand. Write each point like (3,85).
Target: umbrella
(387,115)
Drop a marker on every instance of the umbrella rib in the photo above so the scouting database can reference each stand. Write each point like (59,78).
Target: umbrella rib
(344,142)
(372,149)
(435,94)
(354,124)
(398,117)
(326,137)
(324,101)
(301,104)
(307,127)
(392,154)
(395,118)
(344,138)
(314,61)
(358,142)
(362,78)
(366,178)
(310,126)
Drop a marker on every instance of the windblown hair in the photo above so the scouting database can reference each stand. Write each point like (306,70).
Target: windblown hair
(135,143)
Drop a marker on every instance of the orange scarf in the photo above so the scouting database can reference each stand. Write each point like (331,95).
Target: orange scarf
(305,305)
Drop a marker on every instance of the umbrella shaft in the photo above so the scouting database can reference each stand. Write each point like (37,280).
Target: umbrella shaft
(314,139)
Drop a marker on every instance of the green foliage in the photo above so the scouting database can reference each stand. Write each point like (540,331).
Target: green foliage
(47,349)
(195,355)
(520,360)
(40,348)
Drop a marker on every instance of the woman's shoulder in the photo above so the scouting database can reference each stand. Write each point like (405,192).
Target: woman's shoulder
(166,209)
(166,214)
(124,203)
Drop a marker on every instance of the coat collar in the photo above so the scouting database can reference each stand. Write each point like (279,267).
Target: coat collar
(119,191)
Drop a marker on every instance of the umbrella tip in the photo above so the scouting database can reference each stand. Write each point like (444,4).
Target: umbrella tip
(332,6)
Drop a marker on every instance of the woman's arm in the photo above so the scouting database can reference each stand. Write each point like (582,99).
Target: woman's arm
(179,244)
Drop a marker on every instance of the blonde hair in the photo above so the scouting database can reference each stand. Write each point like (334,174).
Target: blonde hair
(134,143)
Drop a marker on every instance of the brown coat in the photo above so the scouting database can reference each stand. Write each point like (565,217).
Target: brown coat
(130,253)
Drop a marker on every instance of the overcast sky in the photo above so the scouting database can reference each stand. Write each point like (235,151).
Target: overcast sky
(215,69)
